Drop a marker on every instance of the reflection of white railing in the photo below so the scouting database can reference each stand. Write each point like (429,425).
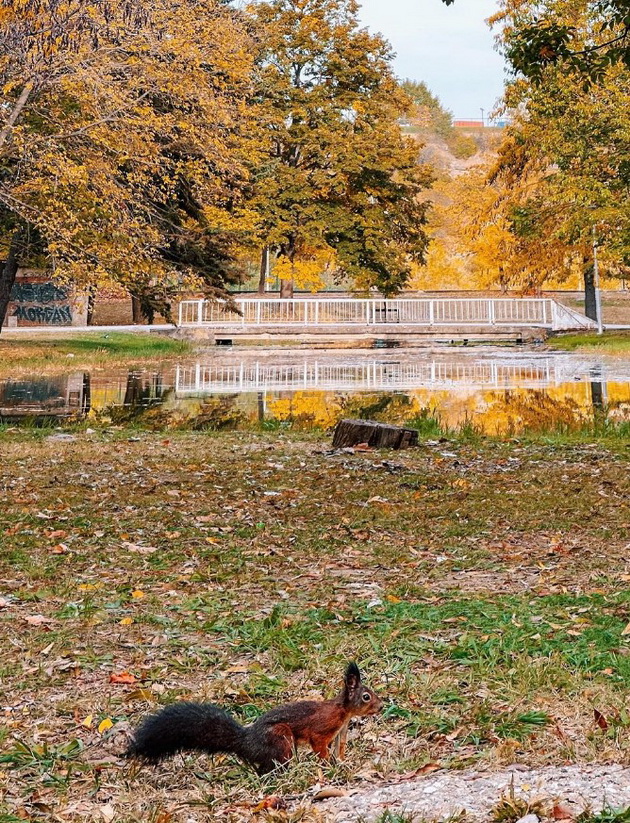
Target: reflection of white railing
(527,311)
(366,375)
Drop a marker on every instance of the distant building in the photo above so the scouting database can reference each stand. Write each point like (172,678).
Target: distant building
(480,124)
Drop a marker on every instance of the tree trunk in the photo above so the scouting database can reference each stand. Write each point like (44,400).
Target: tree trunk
(8,274)
(264,270)
(370,433)
(286,289)
(136,310)
(590,300)
(90,304)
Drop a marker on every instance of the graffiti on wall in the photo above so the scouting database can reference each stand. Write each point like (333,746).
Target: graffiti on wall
(51,315)
(44,303)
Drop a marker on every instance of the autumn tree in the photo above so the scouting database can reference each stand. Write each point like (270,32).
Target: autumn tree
(122,153)
(570,140)
(560,180)
(339,180)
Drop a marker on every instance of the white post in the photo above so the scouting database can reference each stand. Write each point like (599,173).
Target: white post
(198,377)
(258,312)
(316,312)
(431,313)
(200,312)
(491,312)
(306,312)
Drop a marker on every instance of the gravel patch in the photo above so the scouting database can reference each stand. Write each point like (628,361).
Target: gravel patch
(438,796)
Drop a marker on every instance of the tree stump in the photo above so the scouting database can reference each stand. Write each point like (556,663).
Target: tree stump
(377,435)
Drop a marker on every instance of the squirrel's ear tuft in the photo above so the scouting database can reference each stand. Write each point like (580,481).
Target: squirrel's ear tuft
(353,677)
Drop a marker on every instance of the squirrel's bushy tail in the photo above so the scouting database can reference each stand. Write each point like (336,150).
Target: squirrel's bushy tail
(185,726)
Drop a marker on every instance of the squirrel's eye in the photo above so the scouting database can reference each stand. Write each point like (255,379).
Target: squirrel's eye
(366,697)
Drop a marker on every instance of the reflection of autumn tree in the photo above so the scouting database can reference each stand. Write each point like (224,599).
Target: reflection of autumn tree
(493,411)
(519,410)
(320,409)
(381,406)
(307,409)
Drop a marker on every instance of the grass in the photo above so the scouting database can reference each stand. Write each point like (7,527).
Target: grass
(37,355)
(608,343)
(481,584)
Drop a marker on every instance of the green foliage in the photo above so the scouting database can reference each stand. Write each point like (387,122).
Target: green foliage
(607,815)
(339,175)
(546,40)
(462,146)
(428,109)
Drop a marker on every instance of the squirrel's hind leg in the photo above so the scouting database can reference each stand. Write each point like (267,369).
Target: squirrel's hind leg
(277,748)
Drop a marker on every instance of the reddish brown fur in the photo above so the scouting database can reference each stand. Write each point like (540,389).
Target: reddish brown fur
(317,723)
(270,740)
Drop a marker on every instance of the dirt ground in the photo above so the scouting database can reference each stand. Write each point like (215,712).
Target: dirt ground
(482,585)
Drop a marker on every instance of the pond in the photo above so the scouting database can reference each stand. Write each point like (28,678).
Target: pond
(495,391)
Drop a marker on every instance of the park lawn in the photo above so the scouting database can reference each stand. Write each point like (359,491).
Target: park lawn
(482,585)
(38,354)
(607,343)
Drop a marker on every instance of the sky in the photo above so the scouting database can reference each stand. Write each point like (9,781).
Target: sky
(449,47)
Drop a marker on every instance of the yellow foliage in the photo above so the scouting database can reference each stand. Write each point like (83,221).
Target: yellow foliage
(311,408)
(306,274)
(121,146)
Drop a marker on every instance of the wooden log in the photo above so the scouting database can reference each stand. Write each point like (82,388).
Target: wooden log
(377,435)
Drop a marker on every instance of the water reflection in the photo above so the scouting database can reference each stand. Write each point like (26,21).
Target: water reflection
(44,398)
(497,392)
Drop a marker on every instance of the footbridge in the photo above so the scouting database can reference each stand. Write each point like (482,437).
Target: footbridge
(382,318)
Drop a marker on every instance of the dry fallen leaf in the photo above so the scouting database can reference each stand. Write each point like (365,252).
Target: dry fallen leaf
(104,725)
(37,619)
(140,694)
(600,719)
(107,812)
(560,812)
(329,791)
(271,802)
(122,677)
(137,549)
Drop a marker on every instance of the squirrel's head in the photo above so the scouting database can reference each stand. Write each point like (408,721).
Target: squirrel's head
(358,698)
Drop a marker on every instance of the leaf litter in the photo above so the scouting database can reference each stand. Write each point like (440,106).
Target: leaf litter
(471,605)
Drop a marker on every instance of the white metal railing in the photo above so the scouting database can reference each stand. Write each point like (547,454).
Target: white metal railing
(370,374)
(427,312)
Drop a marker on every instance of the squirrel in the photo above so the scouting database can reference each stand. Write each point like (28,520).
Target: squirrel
(268,742)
